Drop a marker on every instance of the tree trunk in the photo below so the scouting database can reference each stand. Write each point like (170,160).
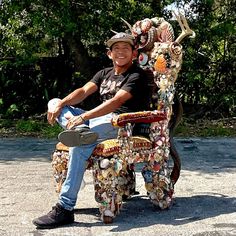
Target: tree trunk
(79,55)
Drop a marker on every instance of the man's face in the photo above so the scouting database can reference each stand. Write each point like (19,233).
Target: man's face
(121,53)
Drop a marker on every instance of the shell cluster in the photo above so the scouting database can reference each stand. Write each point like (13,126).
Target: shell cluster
(59,165)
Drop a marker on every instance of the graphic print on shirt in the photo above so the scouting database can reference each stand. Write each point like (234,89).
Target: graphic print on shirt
(109,88)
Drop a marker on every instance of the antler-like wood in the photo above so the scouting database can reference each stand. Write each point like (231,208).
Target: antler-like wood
(186,31)
(127,23)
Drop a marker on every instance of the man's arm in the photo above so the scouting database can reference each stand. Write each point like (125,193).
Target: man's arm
(79,94)
(108,106)
(103,109)
(73,98)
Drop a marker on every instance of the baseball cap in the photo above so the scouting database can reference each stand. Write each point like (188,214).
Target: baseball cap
(120,37)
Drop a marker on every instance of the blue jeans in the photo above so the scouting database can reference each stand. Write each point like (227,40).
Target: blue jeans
(79,155)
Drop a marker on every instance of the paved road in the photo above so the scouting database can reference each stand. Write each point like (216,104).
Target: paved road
(205,195)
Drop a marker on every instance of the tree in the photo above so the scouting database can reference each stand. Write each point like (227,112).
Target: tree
(51,47)
(73,31)
(76,29)
(209,63)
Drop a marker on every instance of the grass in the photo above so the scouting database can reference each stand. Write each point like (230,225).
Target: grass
(207,128)
(187,128)
(34,128)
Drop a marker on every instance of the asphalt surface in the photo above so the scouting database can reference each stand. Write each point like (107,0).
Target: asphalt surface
(205,195)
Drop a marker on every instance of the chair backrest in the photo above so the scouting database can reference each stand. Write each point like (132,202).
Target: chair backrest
(160,54)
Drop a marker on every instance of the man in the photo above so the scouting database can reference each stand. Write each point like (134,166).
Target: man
(122,88)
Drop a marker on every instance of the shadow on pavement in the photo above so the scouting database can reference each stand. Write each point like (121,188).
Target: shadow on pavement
(144,214)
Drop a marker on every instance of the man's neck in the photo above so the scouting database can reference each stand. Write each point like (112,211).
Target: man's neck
(121,69)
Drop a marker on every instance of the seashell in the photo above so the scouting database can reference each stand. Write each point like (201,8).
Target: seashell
(156,167)
(143,59)
(118,166)
(108,213)
(176,49)
(104,164)
(163,184)
(100,178)
(159,142)
(160,64)
(155,202)
(118,198)
(149,187)
(163,139)
(138,31)
(121,181)
(143,40)
(161,205)
(152,196)
(160,50)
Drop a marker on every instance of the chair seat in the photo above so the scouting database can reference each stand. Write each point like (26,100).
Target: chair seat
(104,150)
(112,146)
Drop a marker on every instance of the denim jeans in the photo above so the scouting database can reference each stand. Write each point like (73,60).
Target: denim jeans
(79,155)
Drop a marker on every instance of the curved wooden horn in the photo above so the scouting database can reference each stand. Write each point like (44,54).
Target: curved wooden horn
(186,31)
(127,23)
(177,162)
(113,31)
(177,115)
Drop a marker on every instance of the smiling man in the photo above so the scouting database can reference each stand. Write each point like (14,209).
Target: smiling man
(122,88)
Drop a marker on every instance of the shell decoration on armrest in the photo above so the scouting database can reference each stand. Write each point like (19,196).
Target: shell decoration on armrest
(138,117)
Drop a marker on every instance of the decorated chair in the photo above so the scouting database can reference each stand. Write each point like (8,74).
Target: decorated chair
(143,137)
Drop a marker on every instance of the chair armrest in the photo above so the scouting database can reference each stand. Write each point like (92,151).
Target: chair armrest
(138,117)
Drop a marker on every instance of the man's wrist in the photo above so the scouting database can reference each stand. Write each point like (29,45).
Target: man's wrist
(82,119)
(61,104)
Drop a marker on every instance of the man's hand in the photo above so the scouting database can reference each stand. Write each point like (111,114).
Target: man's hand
(52,115)
(74,121)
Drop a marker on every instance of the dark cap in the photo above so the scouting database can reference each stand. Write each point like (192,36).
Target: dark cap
(121,37)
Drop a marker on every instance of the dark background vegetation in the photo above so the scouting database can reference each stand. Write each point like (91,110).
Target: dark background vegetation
(49,48)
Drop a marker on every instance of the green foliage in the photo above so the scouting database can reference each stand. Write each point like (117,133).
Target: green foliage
(48,48)
(205,128)
(13,109)
(186,128)
(209,62)
(26,126)
(38,128)
(51,131)
(5,123)
(29,127)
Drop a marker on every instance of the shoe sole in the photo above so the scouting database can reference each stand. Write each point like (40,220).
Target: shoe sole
(38,226)
(72,138)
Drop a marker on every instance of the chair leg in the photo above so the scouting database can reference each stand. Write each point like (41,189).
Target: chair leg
(59,166)
(111,185)
(159,187)
(107,219)
(105,192)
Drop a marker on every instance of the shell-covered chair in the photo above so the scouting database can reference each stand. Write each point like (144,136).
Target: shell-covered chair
(143,137)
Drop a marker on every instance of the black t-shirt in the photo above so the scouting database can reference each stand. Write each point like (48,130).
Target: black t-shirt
(134,81)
